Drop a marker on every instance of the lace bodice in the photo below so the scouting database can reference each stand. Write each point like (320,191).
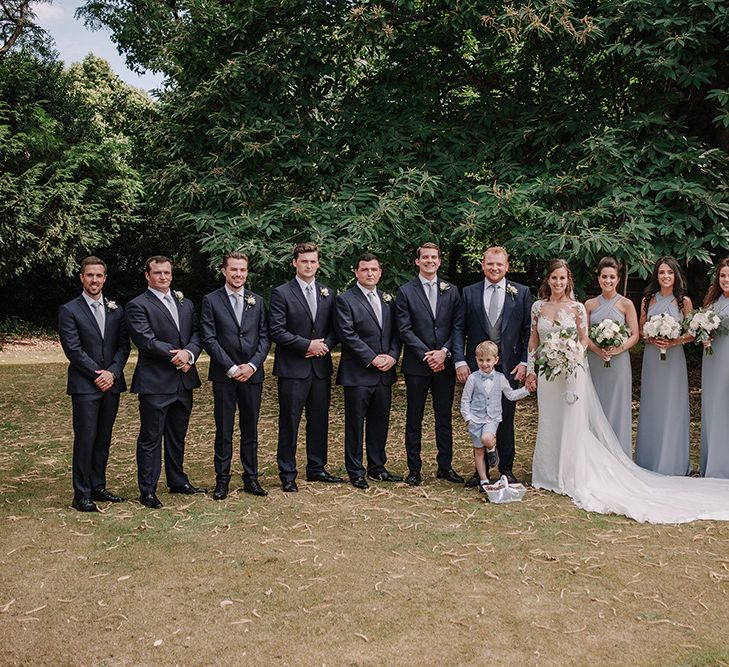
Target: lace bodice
(571,314)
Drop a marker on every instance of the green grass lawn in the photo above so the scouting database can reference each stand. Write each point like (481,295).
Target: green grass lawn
(331,575)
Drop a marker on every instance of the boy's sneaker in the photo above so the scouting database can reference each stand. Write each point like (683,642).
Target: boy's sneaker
(492,457)
(482,485)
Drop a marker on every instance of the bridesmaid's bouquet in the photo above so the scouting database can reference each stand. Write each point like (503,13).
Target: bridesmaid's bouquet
(561,353)
(607,334)
(662,326)
(703,324)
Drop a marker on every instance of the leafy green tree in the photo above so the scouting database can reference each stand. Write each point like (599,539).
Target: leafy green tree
(555,127)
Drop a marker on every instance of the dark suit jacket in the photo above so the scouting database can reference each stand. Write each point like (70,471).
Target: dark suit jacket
(153,331)
(362,339)
(419,331)
(229,343)
(87,351)
(515,327)
(292,329)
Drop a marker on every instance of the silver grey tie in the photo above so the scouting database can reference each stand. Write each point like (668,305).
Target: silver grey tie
(376,306)
(493,305)
(238,306)
(432,295)
(99,315)
(311,300)
(173,310)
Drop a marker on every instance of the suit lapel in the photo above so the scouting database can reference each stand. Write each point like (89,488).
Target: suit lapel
(163,309)
(359,295)
(420,291)
(385,307)
(226,304)
(508,309)
(481,310)
(296,289)
(87,311)
(107,318)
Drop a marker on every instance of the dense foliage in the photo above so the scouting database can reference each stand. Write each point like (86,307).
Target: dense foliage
(556,127)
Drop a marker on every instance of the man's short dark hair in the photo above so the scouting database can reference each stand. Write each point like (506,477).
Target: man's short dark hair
(92,260)
(156,259)
(366,257)
(234,255)
(307,246)
(427,246)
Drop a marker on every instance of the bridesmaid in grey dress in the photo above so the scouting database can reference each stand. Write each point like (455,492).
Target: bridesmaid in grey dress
(614,384)
(714,452)
(662,443)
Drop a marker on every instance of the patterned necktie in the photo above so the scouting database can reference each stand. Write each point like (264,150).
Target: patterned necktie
(237,306)
(173,309)
(432,298)
(311,300)
(376,306)
(99,315)
(493,305)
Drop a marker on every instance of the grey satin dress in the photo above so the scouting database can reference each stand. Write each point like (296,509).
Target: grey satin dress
(662,442)
(714,452)
(613,385)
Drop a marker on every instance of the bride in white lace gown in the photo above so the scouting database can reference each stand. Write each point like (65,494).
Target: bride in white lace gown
(577,452)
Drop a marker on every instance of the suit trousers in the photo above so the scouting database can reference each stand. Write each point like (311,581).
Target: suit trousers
(93,420)
(312,395)
(162,417)
(505,435)
(442,389)
(366,407)
(246,397)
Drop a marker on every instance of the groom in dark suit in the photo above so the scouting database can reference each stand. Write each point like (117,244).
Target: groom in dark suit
(365,324)
(163,326)
(235,335)
(94,338)
(300,323)
(428,310)
(500,311)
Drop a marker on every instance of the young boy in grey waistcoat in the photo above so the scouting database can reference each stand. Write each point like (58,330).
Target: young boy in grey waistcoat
(481,407)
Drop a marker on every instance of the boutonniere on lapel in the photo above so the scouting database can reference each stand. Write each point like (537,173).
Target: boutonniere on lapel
(443,286)
(250,301)
(111,305)
(511,291)
(179,296)
(324,291)
(386,297)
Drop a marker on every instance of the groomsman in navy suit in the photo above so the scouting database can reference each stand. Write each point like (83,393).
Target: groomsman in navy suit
(94,338)
(500,311)
(428,310)
(235,335)
(301,324)
(163,326)
(365,324)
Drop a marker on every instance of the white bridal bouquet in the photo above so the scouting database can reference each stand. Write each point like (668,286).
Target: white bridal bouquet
(703,324)
(607,334)
(560,354)
(662,326)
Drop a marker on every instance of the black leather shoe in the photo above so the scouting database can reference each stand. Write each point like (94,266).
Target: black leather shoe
(385,476)
(450,475)
(150,501)
(254,488)
(473,481)
(106,495)
(413,479)
(221,491)
(323,476)
(510,477)
(289,486)
(188,489)
(360,483)
(481,486)
(84,505)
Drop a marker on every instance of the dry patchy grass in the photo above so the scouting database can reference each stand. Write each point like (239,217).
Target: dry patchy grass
(331,575)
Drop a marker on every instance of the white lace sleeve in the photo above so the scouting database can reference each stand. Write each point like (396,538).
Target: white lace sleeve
(581,319)
(536,310)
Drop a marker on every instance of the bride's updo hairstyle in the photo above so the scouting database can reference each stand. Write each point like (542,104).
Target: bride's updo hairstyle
(679,282)
(545,291)
(714,290)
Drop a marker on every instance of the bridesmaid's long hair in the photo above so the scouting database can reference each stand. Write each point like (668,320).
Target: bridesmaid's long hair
(679,282)
(545,291)
(714,290)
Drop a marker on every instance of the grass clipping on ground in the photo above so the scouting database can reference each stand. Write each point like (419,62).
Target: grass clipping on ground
(331,575)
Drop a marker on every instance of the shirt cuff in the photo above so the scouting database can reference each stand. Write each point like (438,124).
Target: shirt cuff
(253,366)
(192,357)
(231,371)
(460,363)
